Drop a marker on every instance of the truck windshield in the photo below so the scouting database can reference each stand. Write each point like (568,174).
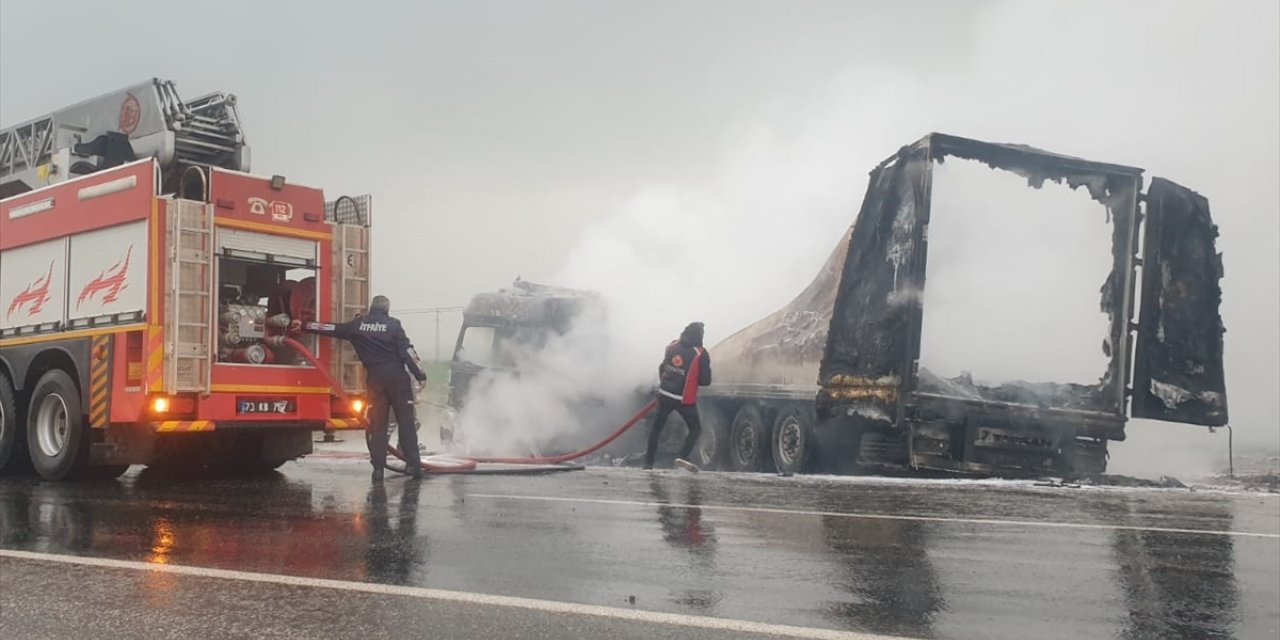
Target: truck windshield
(495,346)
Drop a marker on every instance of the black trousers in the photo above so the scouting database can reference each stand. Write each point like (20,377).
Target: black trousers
(392,393)
(687,411)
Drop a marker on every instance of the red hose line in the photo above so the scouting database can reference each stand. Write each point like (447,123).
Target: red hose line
(465,464)
(574,455)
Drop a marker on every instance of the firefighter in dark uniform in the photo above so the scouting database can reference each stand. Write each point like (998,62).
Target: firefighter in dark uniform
(685,367)
(385,352)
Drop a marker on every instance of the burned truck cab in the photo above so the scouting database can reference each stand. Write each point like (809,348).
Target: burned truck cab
(894,388)
(506,334)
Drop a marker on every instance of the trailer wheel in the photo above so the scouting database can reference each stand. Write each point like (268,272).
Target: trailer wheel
(708,451)
(55,427)
(792,441)
(13,456)
(714,441)
(748,439)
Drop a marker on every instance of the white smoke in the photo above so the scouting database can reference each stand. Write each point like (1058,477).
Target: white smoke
(788,183)
(544,394)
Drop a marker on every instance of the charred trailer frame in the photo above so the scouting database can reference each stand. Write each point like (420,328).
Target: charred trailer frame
(877,408)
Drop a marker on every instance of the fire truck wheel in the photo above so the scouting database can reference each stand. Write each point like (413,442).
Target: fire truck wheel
(13,455)
(56,435)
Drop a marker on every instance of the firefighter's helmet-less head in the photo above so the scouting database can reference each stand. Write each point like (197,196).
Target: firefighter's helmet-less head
(380,304)
(692,334)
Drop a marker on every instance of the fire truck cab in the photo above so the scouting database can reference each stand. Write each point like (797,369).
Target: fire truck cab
(146,283)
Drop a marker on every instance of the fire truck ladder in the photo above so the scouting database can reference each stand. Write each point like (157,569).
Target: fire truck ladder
(350,257)
(206,130)
(188,297)
(63,144)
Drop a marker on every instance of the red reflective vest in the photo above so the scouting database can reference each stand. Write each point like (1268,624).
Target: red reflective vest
(683,370)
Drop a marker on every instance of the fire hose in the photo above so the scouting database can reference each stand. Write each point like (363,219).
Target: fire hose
(467,464)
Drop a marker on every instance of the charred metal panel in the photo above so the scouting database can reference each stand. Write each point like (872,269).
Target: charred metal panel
(874,339)
(871,383)
(1036,165)
(868,350)
(1178,372)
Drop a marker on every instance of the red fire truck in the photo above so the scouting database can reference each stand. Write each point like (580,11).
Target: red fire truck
(146,280)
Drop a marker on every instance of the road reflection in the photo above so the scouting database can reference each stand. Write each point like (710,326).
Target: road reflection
(683,528)
(675,543)
(395,552)
(885,569)
(266,524)
(1176,585)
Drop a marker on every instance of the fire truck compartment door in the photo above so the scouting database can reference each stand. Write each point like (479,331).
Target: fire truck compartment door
(262,246)
(1178,373)
(107,272)
(33,285)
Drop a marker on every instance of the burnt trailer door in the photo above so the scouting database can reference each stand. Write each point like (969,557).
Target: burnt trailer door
(1178,373)
(874,332)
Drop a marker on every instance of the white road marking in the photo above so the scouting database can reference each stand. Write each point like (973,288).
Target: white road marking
(465,597)
(880,516)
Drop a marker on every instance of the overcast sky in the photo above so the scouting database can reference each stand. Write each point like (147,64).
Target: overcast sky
(700,158)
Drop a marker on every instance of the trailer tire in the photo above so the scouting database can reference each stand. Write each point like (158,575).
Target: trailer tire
(708,451)
(793,441)
(748,439)
(714,441)
(13,454)
(56,431)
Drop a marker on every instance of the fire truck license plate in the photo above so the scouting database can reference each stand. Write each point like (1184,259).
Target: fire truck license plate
(266,405)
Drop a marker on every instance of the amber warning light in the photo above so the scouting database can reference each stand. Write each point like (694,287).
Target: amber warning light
(172,406)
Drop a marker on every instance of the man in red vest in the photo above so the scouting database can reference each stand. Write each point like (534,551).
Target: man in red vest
(685,367)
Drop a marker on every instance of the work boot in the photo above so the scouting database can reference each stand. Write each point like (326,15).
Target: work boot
(414,472)
(377,475)
(686,465)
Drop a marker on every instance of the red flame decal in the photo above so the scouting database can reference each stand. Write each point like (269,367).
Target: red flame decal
(110,282)
(36,293)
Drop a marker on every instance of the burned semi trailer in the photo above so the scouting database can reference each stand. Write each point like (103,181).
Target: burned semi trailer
(846,378)
(876,405)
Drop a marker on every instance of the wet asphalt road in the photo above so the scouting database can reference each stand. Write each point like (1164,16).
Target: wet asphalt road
(918,559)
